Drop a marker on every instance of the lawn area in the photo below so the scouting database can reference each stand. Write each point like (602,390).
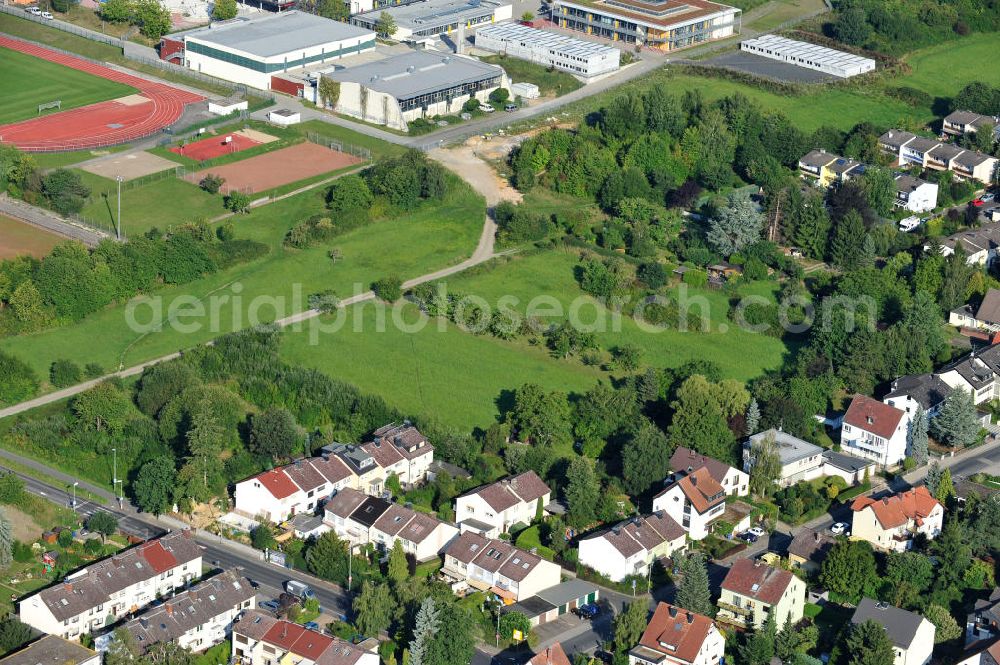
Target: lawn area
(549,82)
(28,81)
(162,203)
(778,12)
(934,69)
(17,238)
(55,160)
(408,245)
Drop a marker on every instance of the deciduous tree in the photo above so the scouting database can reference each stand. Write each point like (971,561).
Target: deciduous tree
(849,570)
(154,485)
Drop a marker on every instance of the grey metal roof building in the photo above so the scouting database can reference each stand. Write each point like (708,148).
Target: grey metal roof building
(417,73)
(421,20)
(275,34)
(551,49)
(810,56)
(790,448)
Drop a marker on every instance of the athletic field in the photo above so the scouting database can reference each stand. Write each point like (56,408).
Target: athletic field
(27,81)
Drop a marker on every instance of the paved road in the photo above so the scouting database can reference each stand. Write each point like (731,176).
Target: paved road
(51,222)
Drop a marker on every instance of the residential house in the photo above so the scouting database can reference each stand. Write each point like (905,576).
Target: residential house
(550,655)
(975,373)
(362,519)
(980,245)
(926,153)
(844,169)
(814,165)
(985,317)
(983,623)
(52,650)
(631,547)
(801,460)
(198,618)
(958,123)
(924,391)
(912,635)
(675,636)
(874,430)
(694,500)
(808,550)
(551,603)
(493,509)
(104,592)
(734,481)
(260,639)
(754,591)
(299,487)
(891,523)
(983,654)
(473,560)
(914,194)
(402,450)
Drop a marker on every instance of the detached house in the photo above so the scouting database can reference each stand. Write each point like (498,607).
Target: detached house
(734,481)
(630,548)
(980,245)
(891,523)
(675,636)
(912,635)
(198,618)
(551,655)
(914,194)
(104,592)
(753,591)
(874,430)
(983,623)
(473,560)
(958,123)
(493,509)
(801,460)
(808,550)
(694,501)
(985,317)
(362,519)
(260,639)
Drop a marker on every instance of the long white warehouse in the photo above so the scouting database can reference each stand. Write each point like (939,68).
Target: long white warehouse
(576,56)
(809,56)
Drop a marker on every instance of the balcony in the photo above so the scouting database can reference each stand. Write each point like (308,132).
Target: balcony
(735,609)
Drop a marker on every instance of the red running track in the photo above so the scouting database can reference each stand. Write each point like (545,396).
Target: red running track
(102,124)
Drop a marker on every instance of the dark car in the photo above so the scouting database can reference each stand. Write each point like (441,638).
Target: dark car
(604,657)
(748,537)
(311,625)
(588,611)
(271,605)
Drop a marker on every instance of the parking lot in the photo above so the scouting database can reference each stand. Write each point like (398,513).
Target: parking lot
(772,69)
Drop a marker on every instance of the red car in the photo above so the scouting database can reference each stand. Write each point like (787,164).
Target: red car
(978,203)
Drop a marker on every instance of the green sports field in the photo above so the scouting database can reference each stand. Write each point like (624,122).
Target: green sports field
(27,81)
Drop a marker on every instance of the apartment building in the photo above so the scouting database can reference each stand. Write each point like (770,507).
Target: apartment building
(52,650)
(493,509)
(958,123)
(893,522)
(874,430)
(753,591)
(473,560)
(675,636)
(104,592)
(908,148)
(198,618)
(631,547)
(260,639)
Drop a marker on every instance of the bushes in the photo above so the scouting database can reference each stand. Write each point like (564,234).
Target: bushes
(153,18)
(65,193)
(233,252)
(64,373)
(212,183)
(406,180)
(389,289)
(238,201)
(17,380)
(516,223)
(314,230)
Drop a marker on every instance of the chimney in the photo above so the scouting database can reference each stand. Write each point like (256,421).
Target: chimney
(69,587)
(169,608)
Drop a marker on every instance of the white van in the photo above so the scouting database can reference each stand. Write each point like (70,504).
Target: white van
(486,108)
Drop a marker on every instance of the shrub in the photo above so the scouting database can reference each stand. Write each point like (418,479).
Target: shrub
(64,373)
(212,183)
(238,201)
(695,278)
(324,301)
(389,289)
(500,96)
(232,252)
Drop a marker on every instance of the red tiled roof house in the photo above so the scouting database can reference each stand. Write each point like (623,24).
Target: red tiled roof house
(676,636)
(875,431)
(891,523)
(752,591)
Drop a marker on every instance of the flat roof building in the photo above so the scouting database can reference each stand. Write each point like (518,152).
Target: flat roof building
(422,20)
(576,56)
(810,56)
(419,84)
(251,50)
(666,25)
(52,650)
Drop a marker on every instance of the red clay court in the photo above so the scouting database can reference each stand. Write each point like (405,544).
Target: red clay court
(108,123)
(215,146)
(273,169)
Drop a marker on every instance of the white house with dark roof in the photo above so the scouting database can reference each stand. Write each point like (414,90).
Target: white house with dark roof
(874,430)
(631,547)
(198,618)
(104,592)
(493,509)
(958,123)
(734,481)
(984,317)
(914,194)
(299,487)
(802,461)
(912,635)
(488,564)
(908,148)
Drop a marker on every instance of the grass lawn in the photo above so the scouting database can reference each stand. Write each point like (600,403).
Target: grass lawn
(549,82)
(28,81)
(934,69)
(17,238)
(55,160)
(162,203)
(408,245)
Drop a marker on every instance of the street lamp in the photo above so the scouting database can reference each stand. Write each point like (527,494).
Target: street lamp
(118,232)
(73,503)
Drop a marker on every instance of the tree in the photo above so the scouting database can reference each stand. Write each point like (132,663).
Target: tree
(918,437)
(238,201)
(499,96)
(851,26)
(224,10)
(645,458)
(848,238)
(629,625)
(737,225)
(13,634)
(17,380)
(907,576)
(540,417)
(425,626)
(6,541)
(583,492)
(385,27)
(105,407)
(693,591)
(116,11)
(849,570)
(947,628)
(64,373)
(752,418)
(262,537)
(212,183)
(338,10)
(327,558)
(956,423)
(454,643)
(945,487)
(864,644)
(699,421)
(152,17)
(389,289)
(398,568)
(879,188)
(64,191)
(764,465)
(123,649)
(812,226)
(103,523)
(758,648)
(511,621)
(933,478)
(373,608)
(154,485)
(349,194)
(273,434)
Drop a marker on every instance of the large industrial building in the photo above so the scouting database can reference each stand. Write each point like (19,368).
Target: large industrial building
(809,56)
(576,56)
(419,84)
(420,21)
(251,51)
(666,25)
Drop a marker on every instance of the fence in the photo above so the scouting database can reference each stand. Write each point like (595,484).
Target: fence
(65,27)
(135,183)
(339,146)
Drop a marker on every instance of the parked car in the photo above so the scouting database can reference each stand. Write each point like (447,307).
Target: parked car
(311,625)
(839,529)
(510,108)
(299,589)
(748,537)
(34,11)
(588,611)
(486,108)
(987,197)
(270,605)
(978,202)
(47,15)
(757,531)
